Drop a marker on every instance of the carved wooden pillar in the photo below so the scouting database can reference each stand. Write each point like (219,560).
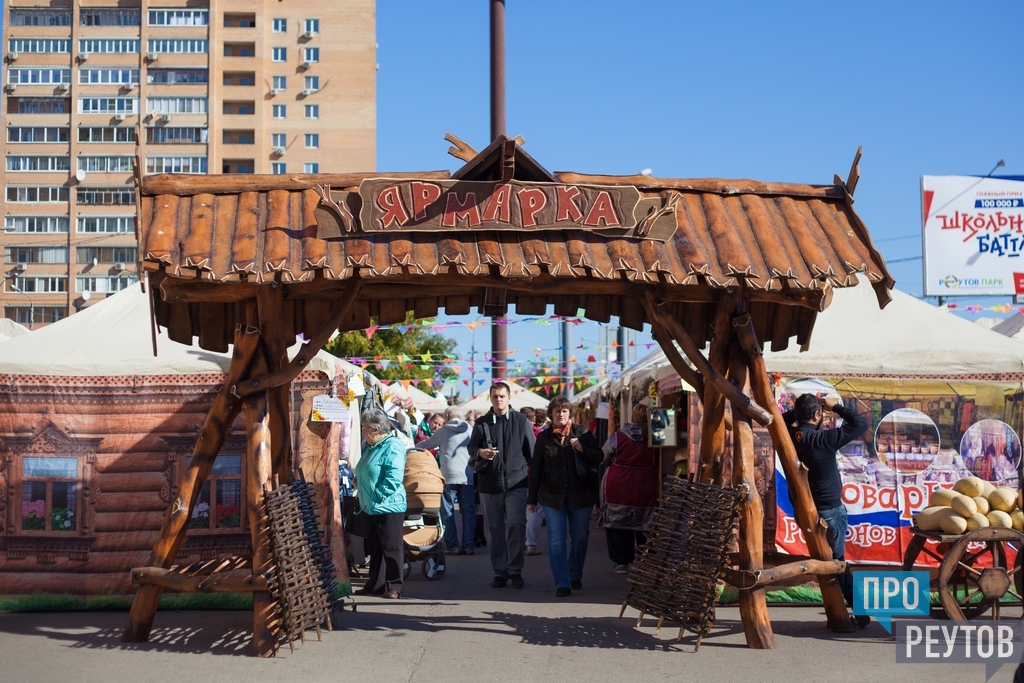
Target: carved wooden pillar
(712,435)
(259,457)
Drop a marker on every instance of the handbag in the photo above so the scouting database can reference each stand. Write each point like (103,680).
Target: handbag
(583,469)
(357,522)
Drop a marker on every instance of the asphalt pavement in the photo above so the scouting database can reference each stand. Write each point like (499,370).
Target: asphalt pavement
(459,629)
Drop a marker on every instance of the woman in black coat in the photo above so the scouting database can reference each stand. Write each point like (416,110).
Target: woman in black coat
(564,481)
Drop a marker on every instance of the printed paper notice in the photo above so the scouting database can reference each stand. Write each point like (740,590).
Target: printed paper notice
(329,409)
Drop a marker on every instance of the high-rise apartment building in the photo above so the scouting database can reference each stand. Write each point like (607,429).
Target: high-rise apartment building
(215,86)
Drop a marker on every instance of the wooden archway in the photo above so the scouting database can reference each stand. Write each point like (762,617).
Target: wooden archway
(254,261)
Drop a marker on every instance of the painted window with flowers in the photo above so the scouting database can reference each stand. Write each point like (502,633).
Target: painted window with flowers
(49,494)
(220,501)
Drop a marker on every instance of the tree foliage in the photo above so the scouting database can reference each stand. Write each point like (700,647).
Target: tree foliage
(386,345)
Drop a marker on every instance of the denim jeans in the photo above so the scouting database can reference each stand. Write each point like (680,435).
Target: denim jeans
(467,509)
(836,536)
(568,534)
(534,520)
(506,520)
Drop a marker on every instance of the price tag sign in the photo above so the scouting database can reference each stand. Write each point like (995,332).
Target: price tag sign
(652,393)
(329,409)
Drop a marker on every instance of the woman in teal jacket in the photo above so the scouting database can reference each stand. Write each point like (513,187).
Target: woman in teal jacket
(379,476)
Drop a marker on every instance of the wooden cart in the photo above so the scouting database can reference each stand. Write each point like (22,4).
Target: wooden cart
(967,584)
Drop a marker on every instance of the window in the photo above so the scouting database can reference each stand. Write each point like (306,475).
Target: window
(280,25)
(312,83)
(312,140)
(220,500)
(44,284)
(177,76)
(278,111)
(49,494)
(106,254)
(178,45)
(311,54)
(109,16)
(312,26)
(238,166)
(239,137)
(239,21)
(27,315)
(37,134)
(38,105)
(278,168)
(106,164)
(312,111)
(38,163)
(239,49)
(105,196)
(108,105)
(244,108)
(280,54)
(108,45)
(168,135)
(38,76)
(107,76)
(105,284)
(179,17)
(36,255)
(278,140)
(176,105)
(106,134)
(30,45)
(34,224)
(175,164)
(279,82)
(239,78)
(106,224)
(311,167)
(37,194)
(36,16)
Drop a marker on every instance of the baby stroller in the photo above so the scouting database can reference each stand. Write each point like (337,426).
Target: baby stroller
(423,533)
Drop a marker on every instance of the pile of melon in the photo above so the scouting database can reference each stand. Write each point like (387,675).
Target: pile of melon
(971,504)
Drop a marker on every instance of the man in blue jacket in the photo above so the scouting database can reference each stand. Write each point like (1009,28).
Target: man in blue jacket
(817,449)
(501,447)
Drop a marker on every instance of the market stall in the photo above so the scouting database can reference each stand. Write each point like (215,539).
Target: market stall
(521,398)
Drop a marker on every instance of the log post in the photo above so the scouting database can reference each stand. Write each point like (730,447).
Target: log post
(211,437)
(685,372)
(258,454)
(270,303)
(800,493)
(757,626)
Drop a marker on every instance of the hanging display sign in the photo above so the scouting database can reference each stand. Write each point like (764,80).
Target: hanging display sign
(973,235)
(328,408)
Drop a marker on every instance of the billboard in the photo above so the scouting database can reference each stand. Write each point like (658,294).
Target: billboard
(973,235)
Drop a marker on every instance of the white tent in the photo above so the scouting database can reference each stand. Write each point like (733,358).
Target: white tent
(420,399)
(521,398)
(1012,327)
(10,329)
(113,337)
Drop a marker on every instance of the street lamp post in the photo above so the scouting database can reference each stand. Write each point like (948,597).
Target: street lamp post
(31,304)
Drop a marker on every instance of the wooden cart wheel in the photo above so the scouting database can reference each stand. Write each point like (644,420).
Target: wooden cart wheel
(968,591)
(917,546)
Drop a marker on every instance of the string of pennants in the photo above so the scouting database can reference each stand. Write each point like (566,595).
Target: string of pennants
(471,326)
(975,309)
(558,383)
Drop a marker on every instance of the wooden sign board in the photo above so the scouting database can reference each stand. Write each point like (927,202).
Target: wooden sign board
(393,205)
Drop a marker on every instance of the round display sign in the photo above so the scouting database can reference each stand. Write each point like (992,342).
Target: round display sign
(991,450)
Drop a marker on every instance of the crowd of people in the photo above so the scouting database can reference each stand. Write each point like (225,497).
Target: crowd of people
(527,468)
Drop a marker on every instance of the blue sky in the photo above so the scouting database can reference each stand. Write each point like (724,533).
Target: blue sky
(780,91)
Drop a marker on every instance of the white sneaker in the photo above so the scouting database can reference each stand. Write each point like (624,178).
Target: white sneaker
(621,569)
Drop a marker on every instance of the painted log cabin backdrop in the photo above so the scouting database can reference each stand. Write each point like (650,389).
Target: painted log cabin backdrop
(94,432)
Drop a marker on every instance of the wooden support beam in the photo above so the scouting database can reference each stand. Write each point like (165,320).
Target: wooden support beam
(796,479)
(757,626)
(308,350)
(717,185)
(211,437)
(682,368)
(270,305)
(184,185)
(243,581)
(743,403)
(744,579)
(259,459)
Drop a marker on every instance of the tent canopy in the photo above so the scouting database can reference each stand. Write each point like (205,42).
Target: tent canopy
(418,398)
(10,329)
(521,398)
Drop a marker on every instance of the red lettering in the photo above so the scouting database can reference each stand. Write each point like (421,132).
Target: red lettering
(466,210)
(531,201)
(423,195)
(567,208)
(602,210)
(870,494)
(851,494)
(390,202)
(499,207)
(913,500)
(887,498)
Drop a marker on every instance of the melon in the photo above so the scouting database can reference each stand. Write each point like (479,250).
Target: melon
(1017,516)
(1000,518)
(977,521)
(988,488)
(928,519)
(982,503)
(1003,499)
(953,524)
(1020,499)
(970,486)
(942,497)
(964,506)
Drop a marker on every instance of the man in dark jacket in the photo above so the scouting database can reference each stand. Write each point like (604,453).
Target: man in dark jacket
(501,447)
(817,448)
